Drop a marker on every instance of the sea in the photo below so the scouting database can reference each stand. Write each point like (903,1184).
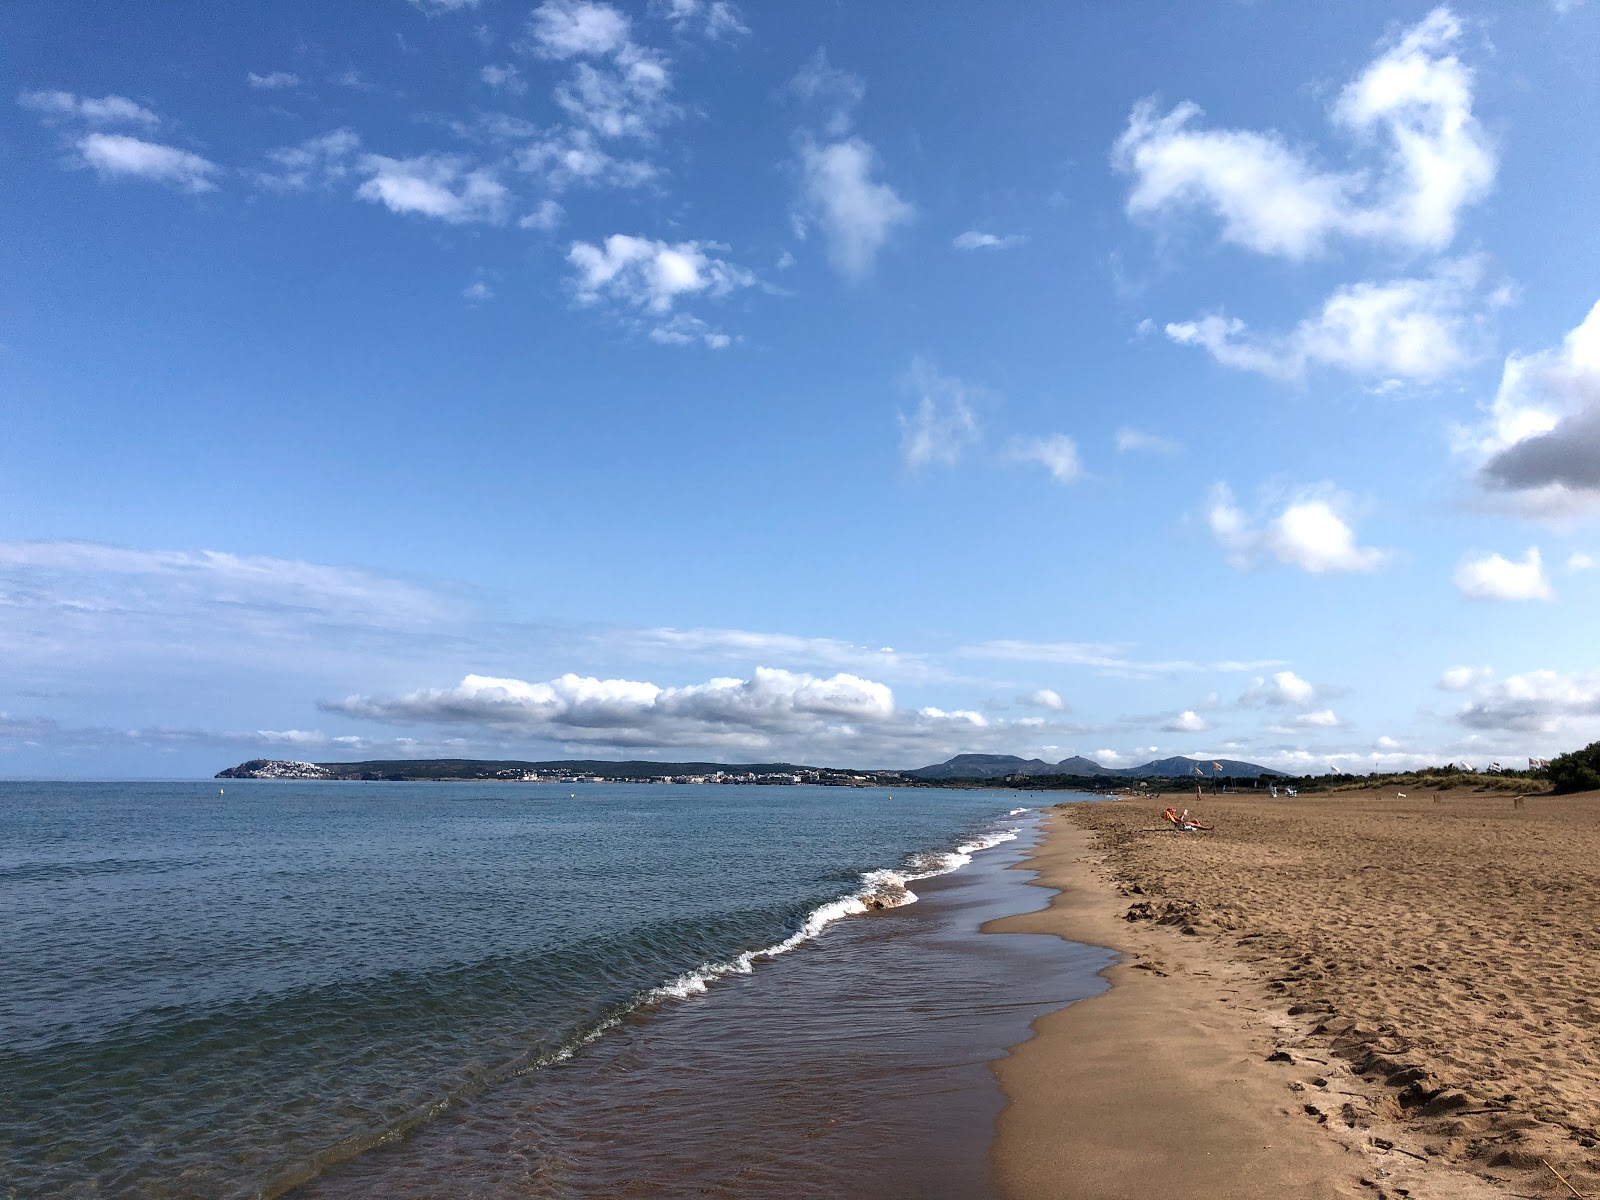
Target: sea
(325,989)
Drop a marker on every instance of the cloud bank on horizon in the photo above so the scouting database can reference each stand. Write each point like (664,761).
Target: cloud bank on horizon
(696,380)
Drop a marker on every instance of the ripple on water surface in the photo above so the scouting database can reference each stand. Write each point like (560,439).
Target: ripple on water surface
(206,997)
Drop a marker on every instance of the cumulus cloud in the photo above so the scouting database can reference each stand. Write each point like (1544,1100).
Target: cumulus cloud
(272,80)
(1412,105)
(545,216)
(855,211)
(1579,561)
(1419,328)
(943,426)
(773,710)
(119,156)
(1311,532)
(435,7)
(1283,689)
(1460,679)
(626,98)
(1056,452)
(477,292)
(651,275)
(974,239)
(445,187)
(1131,440)
(107,110)
(1494,577)
(1045,698)
(561,29)
(1187,721)
(1540,438)
(1537,702)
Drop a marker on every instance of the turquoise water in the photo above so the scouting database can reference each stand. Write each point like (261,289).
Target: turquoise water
(215,995)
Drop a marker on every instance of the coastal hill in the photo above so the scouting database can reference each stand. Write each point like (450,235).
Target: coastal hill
(510,769)
(963,768)
(998,766)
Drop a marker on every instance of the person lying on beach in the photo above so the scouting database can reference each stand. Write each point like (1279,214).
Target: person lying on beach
(1185,823)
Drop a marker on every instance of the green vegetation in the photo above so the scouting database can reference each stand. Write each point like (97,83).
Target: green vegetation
(1577,770)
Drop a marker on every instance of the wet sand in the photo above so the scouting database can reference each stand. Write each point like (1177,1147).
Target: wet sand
(855,1066)
(1358,995)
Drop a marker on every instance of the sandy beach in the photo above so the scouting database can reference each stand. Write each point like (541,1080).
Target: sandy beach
(1357,995)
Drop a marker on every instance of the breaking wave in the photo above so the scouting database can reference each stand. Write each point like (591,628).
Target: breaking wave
(880,889)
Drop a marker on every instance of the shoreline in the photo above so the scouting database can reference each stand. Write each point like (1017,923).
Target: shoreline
(1198,1073)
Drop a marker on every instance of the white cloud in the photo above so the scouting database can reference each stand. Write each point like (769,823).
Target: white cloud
(833,93)
(434,7)
(1056,452)
(562,29)
(1111,658)
(1420,328)
(651,275)
(574,156)
(477,292)
(1311,532)
(1045,698)
(547,216)
(1579,561)
(317,161)
(1283,689)
(856,212)
(972,239)
(1413,104)
(73,576)
(1460,679)
(1537,702)
(681,329)
(1130,440)
(770,706)
(1321,719)
(1187,721)
(505,78)
(1493,577)
(443,186)
(1540,438)
(771,713)
(714,19)
(943,425)
(118,156)
(272,80)
(625,99)
(107,110)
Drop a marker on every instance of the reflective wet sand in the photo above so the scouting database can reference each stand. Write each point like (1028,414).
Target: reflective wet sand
(857,1065)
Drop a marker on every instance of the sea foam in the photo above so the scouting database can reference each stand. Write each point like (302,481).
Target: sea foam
(880,889)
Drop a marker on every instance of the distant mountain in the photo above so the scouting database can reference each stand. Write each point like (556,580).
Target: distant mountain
(984,766)
(998,766)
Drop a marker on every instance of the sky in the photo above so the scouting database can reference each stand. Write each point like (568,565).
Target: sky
(851,384)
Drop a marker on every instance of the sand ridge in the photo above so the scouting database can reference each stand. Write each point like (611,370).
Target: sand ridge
(1420,971)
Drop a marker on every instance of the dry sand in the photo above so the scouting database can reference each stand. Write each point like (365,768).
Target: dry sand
(1355,995)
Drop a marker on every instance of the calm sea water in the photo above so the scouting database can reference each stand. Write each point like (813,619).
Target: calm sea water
(297,984)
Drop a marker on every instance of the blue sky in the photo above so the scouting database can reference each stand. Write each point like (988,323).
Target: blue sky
(849,384)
